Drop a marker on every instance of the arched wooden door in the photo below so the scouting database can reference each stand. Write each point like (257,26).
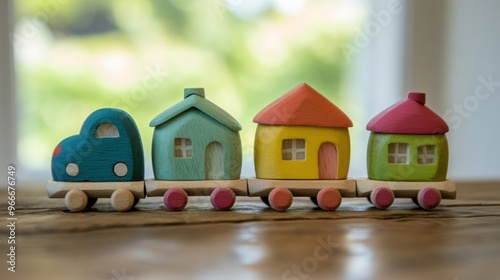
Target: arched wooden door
(327,161)
(214,161)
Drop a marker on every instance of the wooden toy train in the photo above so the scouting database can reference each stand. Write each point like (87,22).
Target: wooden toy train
(302,148)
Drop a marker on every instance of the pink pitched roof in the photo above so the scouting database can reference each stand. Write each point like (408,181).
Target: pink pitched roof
(303,106)
(408,116)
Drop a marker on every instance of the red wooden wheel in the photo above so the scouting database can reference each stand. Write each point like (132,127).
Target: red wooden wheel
(429,198)
(382,198)
(222,198)
(280,199)
(175,199)
(329,199)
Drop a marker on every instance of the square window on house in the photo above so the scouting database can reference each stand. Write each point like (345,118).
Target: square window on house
(183,148)
(426,154)
(293,149)
(398,153)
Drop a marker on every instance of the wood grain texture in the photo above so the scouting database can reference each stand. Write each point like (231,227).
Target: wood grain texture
(196,188)
(449,249)
(108,136)
(44,215)
(405,189)
(94,189)
(327,161)
(214,161)
(261,187)
(203,123)
(457,241)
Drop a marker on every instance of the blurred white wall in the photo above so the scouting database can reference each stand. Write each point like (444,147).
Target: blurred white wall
(453,53)
(473,86)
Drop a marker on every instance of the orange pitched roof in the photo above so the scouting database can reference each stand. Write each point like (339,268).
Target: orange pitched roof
(303,106)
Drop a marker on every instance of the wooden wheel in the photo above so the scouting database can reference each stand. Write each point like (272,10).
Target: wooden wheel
(382,197)
(280,199)
(75,200)
(175,199)
(429,198)
(222,198)
(122,200)
(329,199)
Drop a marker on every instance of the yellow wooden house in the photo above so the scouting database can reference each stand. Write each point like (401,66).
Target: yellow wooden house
(302,135)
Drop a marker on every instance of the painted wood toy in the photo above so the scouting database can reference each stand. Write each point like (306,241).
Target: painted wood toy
(407,156)
(302,148)
(197,152)
(105,160)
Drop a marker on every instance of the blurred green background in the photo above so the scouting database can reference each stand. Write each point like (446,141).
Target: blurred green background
(73,57)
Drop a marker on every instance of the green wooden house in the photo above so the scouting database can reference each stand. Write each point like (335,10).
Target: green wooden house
(196,140)
(408,143)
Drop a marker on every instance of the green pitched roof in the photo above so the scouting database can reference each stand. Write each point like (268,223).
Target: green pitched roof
(195,98)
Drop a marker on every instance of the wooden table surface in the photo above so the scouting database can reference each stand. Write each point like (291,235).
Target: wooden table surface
(459,240)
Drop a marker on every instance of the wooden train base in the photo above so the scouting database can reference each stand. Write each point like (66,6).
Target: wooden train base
(80,195)
(175,193)
(278,194)
(427,195)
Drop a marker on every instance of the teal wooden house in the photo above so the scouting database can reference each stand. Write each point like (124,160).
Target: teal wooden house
(196,140)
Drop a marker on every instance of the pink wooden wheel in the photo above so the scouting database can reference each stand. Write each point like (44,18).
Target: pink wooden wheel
(280,199)
(175,199)
(222,198)
(329,199)
(429,198)
(382,197)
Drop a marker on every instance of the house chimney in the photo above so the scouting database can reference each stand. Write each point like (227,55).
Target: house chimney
(190,91)
(417,96)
